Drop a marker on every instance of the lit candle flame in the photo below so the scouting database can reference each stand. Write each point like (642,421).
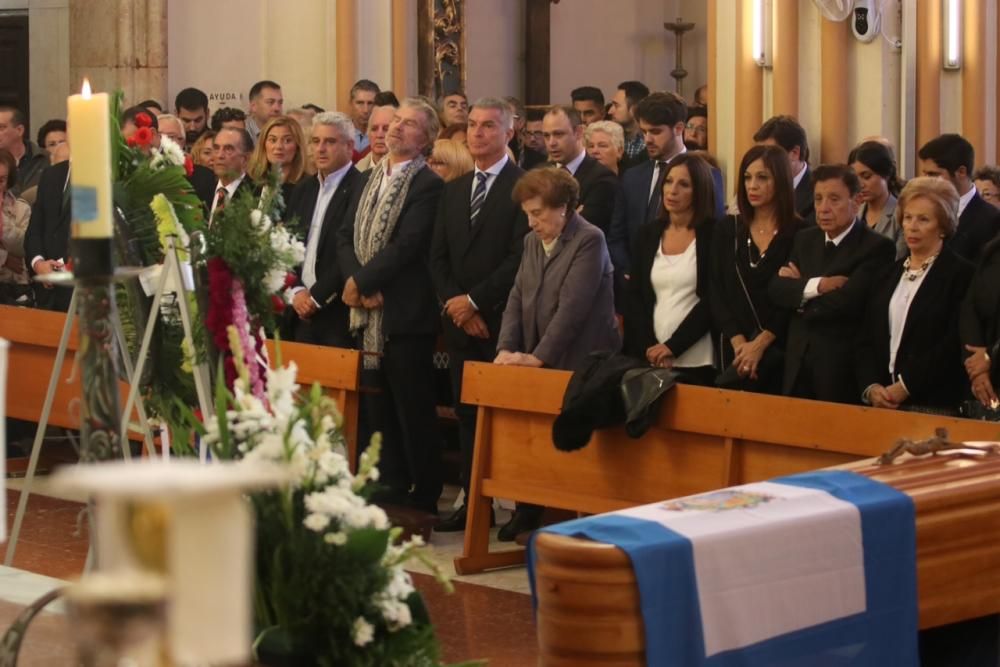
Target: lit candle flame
(86,89)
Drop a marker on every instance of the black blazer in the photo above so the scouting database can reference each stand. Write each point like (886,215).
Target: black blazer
(979,321)
(400,271)
(301,206)
(804,204)
(203,180)
(49,227)
(598,191)
(639,331)
(929,358)
(826,326)
(977,226)
(481,261)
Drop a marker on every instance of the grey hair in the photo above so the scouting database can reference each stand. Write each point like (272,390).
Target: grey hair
(170,117)
(613,130)
(433,123)
(337,120)
(374,111)
(495,103)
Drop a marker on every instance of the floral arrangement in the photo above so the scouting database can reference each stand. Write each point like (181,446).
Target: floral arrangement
(331,588)
(250,261)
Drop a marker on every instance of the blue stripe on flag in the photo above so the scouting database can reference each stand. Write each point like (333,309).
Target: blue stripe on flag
(663,563)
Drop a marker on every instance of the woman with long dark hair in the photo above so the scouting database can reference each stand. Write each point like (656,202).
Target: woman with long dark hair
(668,322)
(749,249)
(875,167)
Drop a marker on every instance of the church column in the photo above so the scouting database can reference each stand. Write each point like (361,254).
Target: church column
(120,44)
(749,106)
(974,98)
(928,108)
(835,105)
(347,50)
(786,58)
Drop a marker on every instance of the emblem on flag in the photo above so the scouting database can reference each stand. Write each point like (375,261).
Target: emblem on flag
(718,501)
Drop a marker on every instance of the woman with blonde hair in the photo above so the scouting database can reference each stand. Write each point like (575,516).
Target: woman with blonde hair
(909,354)
(281,143)
(605,142)
(450,159)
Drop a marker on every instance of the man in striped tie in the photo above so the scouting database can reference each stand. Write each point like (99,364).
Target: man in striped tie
(477,246)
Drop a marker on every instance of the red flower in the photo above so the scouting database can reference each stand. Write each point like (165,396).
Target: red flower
(142,138)
(188,165)
(69,266)
(143,119)
(278,304)
(290,280)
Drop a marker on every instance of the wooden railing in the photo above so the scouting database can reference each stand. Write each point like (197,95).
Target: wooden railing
(704,439)
(34,337)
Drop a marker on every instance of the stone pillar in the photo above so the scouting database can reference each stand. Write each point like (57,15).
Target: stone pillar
(120,44)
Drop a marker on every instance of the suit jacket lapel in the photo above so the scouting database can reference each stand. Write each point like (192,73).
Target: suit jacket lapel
(309,200)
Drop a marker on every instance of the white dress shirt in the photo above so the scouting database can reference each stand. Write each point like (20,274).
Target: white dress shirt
(230,191)
(491,175)
(656,169)
(812,285)
(327,188)
(675,283)
(574,164)
(392,171)
(899,308)
(964,200)
(799,176)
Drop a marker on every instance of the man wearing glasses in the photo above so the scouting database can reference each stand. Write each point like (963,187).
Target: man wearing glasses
(696,130)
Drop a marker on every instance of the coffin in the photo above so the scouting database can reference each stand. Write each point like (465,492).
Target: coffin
(588,604)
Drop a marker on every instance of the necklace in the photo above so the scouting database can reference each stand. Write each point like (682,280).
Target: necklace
(914,274)
(760,255)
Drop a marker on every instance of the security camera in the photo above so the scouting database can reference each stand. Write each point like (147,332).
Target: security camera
(866,21)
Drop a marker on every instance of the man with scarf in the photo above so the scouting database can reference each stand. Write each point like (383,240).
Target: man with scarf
(383,249)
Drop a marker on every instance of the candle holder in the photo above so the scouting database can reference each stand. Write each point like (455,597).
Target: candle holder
(678,27)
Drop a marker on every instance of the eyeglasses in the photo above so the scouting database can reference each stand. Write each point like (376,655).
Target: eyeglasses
(697,129)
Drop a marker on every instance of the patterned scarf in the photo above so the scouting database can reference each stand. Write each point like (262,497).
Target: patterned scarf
(376,219)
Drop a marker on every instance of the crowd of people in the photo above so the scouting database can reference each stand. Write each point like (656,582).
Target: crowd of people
(537,236)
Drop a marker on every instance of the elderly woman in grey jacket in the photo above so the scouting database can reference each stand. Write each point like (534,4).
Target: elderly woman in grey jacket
(561,307)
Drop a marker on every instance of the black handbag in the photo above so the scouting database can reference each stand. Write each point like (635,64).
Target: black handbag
(773,359)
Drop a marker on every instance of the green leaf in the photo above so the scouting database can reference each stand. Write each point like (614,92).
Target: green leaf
(368,544)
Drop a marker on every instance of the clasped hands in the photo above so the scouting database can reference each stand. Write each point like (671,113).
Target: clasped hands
(890,397)
(826,283)
(750,353)
(659,355)
(464,316)
(353,297)
(977,367)
(508,358)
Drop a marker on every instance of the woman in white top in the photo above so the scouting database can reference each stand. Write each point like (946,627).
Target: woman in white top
(668,321)
(909,354)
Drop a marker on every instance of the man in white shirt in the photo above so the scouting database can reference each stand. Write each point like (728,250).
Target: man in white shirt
(320,204)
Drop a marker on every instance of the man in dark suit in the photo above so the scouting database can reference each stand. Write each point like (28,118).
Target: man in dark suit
(477,247)
(826,282)
(562,129)
(383,248)
(952,158)
(320,204)
(202,179)
(232,150)
(46,241)
(786,132)
(662,118)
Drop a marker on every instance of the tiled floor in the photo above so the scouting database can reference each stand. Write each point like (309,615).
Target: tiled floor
(488,617)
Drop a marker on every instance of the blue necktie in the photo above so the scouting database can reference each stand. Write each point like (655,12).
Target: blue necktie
(478,197)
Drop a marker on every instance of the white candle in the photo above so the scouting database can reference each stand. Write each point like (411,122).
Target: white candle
(89,130)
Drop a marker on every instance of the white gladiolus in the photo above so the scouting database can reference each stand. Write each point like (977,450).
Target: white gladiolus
(363,632)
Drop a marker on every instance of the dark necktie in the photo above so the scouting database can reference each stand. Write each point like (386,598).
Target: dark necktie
(656,197)
(478,197)
(220,201)
(829,251)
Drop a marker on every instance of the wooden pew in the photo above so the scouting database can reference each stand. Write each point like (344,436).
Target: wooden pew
(34,337)
(704,439)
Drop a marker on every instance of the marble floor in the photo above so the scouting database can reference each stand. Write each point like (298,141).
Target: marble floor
(488,617)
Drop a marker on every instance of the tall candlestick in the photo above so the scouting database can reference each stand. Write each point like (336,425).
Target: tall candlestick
(89,131)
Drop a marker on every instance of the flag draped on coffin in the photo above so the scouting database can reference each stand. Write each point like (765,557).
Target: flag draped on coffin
(816,569)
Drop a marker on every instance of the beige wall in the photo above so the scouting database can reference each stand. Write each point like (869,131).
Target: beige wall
(494,47)
(600,43)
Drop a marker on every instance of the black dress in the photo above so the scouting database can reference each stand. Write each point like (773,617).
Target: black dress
(738,311)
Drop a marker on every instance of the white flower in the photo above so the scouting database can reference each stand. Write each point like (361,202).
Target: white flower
(260,221)
(339,538)
(275,279)
(362,632)
(173,153)
(396,613)
(316,522)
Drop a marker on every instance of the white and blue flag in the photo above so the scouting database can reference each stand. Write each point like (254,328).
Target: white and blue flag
(812,569)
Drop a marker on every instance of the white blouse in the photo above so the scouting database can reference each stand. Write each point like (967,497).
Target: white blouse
(899,307)
(675,283)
